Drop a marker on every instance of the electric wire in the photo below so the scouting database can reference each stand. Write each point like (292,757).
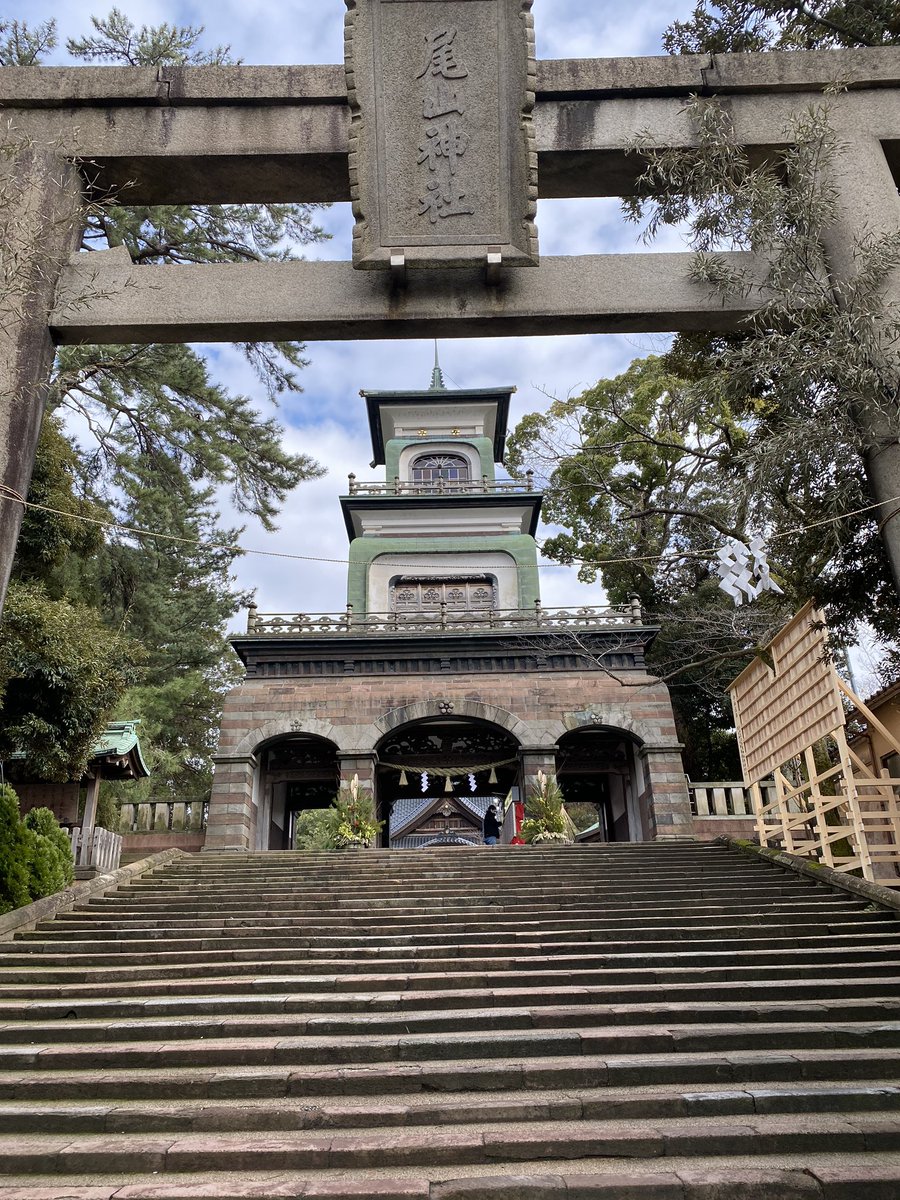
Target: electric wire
(10,494)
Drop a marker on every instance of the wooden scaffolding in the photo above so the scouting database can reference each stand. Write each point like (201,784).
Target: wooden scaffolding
(791,724)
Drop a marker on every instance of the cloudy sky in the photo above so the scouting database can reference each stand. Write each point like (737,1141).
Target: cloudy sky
(327,418)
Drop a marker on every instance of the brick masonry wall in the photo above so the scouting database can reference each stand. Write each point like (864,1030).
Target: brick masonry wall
(707,829)
(356,712)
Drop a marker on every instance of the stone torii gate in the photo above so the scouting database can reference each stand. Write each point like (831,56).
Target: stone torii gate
(443,130)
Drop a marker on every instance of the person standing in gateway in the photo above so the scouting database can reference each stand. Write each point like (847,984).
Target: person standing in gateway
(492,825)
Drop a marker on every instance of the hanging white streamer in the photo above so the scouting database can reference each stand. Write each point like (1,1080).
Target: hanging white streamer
(744,570)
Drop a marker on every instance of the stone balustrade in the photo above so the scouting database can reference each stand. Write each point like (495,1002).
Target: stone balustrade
(163,816)
(442,618)
(725,799)
(440,487)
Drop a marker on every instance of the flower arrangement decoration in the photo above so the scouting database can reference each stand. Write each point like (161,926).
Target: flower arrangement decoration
(545,818)
(353,817)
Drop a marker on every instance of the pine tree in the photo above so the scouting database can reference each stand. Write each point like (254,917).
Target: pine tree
(161,438)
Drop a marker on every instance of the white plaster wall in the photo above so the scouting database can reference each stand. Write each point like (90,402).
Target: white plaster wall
(383,569)
(471,419)
(448,521)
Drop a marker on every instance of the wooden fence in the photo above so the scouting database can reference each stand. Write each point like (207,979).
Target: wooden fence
(101,850)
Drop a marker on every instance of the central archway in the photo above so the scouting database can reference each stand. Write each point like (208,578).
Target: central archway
(436,777)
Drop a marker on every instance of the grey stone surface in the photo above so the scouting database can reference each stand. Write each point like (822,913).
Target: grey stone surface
(40,199)
(441,151)
(22,919)
(242,134)
(330,301)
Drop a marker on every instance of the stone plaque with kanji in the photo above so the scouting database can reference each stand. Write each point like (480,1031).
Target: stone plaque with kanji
(443,167)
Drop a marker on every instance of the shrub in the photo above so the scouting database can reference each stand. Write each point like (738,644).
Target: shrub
(52,866)
(35,857)
(14,857)
(313,830)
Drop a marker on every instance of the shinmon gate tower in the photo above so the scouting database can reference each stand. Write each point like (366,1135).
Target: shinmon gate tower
(445,683)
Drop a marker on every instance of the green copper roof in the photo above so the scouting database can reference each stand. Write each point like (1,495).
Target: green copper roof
(120,739)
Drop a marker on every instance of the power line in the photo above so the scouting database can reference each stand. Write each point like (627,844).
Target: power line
(8,493)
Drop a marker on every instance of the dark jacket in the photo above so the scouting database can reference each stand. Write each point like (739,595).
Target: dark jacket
(492,823)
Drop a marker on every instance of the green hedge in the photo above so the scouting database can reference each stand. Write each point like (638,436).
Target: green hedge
(35,856)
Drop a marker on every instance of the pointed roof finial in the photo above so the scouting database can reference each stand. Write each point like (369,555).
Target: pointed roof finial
(437,375)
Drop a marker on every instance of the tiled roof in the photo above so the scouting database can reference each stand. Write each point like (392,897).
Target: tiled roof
(408,808)
(419,841)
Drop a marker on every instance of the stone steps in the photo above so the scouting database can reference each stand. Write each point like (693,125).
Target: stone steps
(675,995)
(125,926)
(323,1112)
(83,939)
(842,1176)
(379,1080)
(873,1007)
(361,1049)
(123,921)
(799,951)
(613,970)
(752,935)
(459,1145)
(785,966)
(617,1023)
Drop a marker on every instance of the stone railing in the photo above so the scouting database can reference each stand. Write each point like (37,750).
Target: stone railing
(163,816)
(443,487)
(724,799)
(100,850)
(439,620)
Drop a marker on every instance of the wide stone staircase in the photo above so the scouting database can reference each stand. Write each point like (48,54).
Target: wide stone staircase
(623,1022)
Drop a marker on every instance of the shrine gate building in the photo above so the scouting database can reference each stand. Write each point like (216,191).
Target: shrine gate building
(445,683)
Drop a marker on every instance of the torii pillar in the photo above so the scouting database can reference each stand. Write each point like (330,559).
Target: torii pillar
(40,225)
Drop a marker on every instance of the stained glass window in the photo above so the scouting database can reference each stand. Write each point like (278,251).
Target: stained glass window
(435,468)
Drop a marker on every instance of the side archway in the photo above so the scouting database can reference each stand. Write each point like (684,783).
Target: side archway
(599,766)
(296,772)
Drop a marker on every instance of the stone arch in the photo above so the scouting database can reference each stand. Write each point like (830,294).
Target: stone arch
(440,767)
(293,772)
(610,716)
(476,709)
(597,764)
(287,725)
